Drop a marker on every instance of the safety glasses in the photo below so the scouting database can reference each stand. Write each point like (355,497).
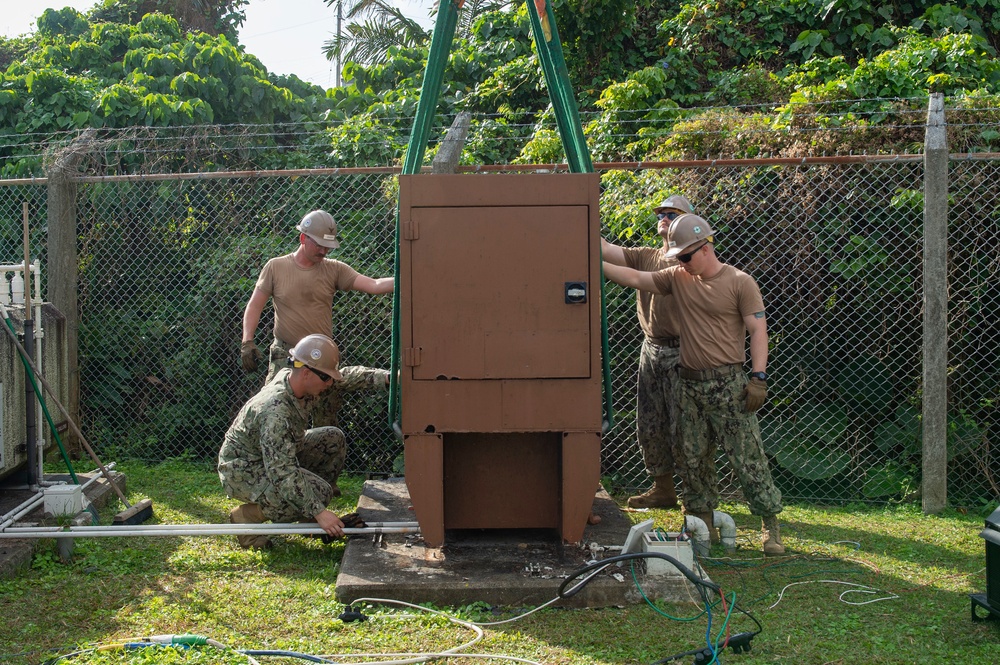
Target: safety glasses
(686,257)
(669,215)
(323,376)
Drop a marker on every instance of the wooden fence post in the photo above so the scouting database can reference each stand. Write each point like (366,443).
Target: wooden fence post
(934,485)
(62,256)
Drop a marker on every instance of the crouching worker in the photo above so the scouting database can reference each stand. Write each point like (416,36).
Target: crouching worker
(280,470)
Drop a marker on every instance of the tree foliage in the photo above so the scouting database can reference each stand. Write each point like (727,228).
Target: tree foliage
(78,73)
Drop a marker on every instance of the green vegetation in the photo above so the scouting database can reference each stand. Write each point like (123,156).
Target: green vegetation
(641,66)
(921,567)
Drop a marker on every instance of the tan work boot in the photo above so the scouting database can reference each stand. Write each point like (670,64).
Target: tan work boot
(250,513)
(661,495)
(772,536)
(709,520)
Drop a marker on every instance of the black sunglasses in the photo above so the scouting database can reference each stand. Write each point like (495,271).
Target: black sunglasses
(669,215)
(323,376)
(686,258)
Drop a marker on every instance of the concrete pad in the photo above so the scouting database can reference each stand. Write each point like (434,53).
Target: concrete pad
(15,554)
(504,567)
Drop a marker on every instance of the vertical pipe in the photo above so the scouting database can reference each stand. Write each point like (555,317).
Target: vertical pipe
(934,484)
(29,396)
(39,334)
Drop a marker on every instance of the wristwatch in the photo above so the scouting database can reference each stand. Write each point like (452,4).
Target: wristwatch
(759,375)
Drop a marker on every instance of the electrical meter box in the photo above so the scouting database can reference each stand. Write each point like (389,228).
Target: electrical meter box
(500,343)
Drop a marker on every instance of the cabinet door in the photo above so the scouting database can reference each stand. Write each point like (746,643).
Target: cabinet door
(489,292)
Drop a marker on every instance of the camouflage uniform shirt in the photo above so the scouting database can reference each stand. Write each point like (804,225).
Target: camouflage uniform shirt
(262,443)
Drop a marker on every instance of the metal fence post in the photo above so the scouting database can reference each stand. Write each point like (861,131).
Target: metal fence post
(934,486)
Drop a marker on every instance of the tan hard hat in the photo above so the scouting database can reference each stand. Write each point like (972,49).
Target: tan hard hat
(674,202)
(686,231)
(319,352)
(321,227)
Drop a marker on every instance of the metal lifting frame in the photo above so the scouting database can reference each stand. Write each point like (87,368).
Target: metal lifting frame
(570,130)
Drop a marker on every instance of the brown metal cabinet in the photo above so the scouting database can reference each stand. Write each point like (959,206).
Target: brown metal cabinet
(500,336)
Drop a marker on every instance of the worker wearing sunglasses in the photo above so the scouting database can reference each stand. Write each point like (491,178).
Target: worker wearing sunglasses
(657,385)
(271,462)
(718,306)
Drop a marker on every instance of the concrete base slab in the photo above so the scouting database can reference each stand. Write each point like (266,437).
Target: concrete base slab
(504,567)
(15,554)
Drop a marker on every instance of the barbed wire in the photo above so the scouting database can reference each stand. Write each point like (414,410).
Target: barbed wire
(614,132)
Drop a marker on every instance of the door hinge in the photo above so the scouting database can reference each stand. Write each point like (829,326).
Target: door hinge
(410,230)
(413,356)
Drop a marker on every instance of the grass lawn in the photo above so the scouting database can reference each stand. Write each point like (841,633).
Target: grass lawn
(912,606)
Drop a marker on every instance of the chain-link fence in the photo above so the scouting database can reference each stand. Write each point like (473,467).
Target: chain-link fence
(167,264)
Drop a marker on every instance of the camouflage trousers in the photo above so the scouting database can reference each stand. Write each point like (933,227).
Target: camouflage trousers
(321,458)
(712,415)
(322,409)
(656,406)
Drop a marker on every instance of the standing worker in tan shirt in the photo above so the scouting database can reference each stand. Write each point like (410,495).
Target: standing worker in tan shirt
(719,305)
(657,387)
(302,285)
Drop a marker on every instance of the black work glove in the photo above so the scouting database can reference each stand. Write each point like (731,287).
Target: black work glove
(353,521)
(755,393)
(250,356)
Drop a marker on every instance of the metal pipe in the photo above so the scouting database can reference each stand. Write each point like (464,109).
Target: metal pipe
(39,334)
(187,530)
(269,527)
(19,512)
(30,438)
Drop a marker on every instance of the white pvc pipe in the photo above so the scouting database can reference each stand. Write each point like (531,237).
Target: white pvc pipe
(280,527)
(699,534)
(182,530)
(53,483)
(19,512)
(727,530)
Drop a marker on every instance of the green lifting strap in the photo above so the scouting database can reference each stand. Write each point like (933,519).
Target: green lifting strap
(570,129)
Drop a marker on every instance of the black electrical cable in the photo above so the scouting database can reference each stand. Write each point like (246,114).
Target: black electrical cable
(596,568)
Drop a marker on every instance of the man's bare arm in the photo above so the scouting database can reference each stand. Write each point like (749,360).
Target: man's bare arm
(756,324)
(251,315)
(612,253)
(634,279)
(373,286)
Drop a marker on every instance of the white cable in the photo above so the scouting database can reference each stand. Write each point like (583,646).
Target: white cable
(519,616)
(861,589)
(420,658)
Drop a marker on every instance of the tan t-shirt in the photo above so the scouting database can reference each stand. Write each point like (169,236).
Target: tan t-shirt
(712,329)
(303,297)
(658,315)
